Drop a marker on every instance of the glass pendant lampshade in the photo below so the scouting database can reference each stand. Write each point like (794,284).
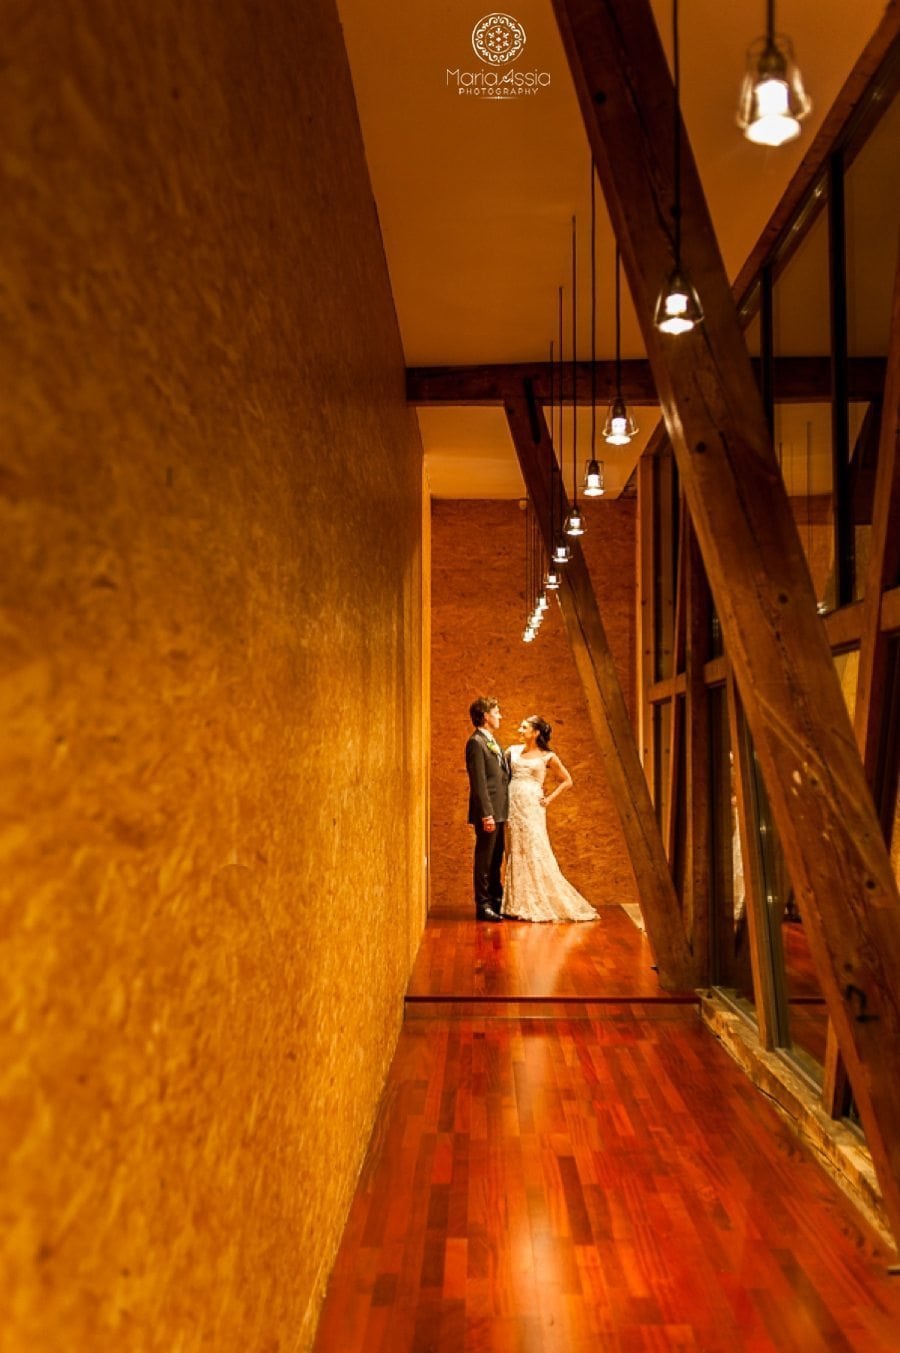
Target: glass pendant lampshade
(620,426)
(574,523)
(561,552)
(678,309)
(542,603)
(773,101)
(551,582)
(527,635)
(593,479)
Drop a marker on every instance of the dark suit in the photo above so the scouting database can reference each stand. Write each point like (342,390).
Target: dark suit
(488,797)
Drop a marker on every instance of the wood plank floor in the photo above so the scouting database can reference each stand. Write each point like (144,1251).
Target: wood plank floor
(606,959)
(607,1182)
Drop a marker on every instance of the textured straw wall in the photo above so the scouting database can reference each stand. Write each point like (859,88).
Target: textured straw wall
(212,834)
(478,613)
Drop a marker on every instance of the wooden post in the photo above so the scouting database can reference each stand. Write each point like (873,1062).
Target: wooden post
(753,557)
(607,709)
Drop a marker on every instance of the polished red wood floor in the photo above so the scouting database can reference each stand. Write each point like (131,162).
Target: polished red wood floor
(609,959)
(611,1181)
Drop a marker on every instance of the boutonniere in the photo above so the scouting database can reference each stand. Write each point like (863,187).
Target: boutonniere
(494,746)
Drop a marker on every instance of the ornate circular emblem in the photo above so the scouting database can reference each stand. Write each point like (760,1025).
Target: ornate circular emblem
(498,39)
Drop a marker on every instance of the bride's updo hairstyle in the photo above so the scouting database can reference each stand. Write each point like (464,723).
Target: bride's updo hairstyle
(543,730)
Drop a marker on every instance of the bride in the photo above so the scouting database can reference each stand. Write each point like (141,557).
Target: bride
(535,888)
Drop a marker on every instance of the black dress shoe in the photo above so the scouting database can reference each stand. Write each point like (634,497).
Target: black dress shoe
(487,914)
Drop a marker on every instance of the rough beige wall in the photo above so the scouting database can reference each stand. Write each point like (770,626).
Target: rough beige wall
(212,834)
(478,614)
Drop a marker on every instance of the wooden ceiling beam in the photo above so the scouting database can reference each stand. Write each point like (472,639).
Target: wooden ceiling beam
(679,968)
(796,379)
(753,557)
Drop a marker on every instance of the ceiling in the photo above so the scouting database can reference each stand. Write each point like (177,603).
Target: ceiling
(475,195)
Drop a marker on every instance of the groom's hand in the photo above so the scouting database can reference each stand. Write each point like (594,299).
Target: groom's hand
(487,824)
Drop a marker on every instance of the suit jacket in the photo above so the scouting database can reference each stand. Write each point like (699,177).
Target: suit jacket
(488,781)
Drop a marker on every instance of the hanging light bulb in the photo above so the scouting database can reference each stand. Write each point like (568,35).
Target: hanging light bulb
(592,486)
(620,425)
(678,309)
(574,523)
(552,580)
(527,635)
(561,552)
(593,479)
(542,603)
(773,101)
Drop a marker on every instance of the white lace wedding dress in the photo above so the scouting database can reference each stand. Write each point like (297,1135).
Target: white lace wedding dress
(535,889)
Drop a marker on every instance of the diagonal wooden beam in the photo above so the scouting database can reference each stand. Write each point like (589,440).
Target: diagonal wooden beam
(678,968)
(753,558)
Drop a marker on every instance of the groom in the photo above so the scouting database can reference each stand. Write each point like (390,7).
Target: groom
(488,803)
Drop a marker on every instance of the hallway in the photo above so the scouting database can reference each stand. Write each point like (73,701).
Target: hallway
(587,1172)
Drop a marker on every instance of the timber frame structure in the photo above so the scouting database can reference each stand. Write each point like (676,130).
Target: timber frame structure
(759,792)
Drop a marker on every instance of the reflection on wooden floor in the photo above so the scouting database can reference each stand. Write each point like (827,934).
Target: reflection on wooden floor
(605,959)
(604,1182)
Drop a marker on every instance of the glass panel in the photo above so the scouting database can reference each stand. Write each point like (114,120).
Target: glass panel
(803,446)
(716,644)
(802,431)
(847,667)
(864,420)
(662,732)
(891,806)
(732,948)
(752,336)
(808,1017)
(772,876)
(872,206)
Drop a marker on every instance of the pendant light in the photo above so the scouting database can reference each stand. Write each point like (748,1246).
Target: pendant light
(773,101)
(574,522)
(552,576)
(678,309)
(593,474)
(528,632)
(541,605)
(561,551)
(620,425)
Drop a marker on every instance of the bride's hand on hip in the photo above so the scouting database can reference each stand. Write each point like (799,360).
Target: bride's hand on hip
(544,800)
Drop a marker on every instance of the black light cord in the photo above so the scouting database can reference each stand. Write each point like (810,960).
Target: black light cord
(593,311)
(574,372)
